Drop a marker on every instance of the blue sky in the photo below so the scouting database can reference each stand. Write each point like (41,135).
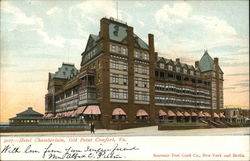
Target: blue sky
(37,36)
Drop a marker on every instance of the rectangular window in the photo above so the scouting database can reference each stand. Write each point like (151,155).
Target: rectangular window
(178,69)
(170,67)
(162,66)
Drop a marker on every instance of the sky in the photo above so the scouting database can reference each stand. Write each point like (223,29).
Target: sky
(37,36)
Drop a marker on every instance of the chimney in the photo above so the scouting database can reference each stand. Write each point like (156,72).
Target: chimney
(151,45)
(216,61)
(196,64)
(156,55)
(29,108)
(177,60)
(104,28)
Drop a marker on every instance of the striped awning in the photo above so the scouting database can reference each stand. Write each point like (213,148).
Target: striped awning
(207,114)
(49,115)
(59,114)
(194,114)
(171,113)
(118,111)
(186,114)
(200,114)
(141,112)
(178,113)
(216,115)
(92,110)
(222,115)
(162,113)
(79,110)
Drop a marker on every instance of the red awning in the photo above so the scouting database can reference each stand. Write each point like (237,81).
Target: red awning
(141,112)
(200,114)
(178,113)
(186,114)
(194,114)
(207,114)
(49,115)
(79,110)
(216,115)
(118,111)
(92,110)
(45,115)
(162,113)
(222,115)
(58,114)
(171,113)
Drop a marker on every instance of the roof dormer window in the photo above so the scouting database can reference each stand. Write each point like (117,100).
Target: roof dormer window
(170,67)
(161,65)
(185,71)
(178,69)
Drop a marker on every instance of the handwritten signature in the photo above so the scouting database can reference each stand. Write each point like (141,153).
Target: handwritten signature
(51,152)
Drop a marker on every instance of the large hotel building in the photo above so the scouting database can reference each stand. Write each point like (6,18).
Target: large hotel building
(123,82)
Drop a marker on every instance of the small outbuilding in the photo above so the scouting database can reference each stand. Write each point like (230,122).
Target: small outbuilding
(27,117)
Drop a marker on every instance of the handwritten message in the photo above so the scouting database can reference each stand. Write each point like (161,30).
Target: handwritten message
(125,148)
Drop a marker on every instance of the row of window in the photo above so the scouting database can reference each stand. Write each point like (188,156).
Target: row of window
(72,103)
(141,82)
(116,93)
(119,79)
(183,90)
(119,49)
(118,65)
(181,101)
(178,69)
(141,69)
(141,96)
(87,95)
(141,55)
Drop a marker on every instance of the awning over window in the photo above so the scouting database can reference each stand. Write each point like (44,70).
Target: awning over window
(222,115)
(92,110)
(216,115)
(49,115)
(186,114)
(79,110)
(45,115)
(207,114)
(171,113)
(118,111)
(58,114)
(194,114)
(141,112)
(200,114)
(70,113)
(178,113)
(162,113)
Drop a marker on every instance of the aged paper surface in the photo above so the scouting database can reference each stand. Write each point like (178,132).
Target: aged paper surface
(37,37)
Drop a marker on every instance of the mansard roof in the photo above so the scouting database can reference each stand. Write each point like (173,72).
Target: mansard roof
(183,65)
(206,63)
(118,32)
(65,71)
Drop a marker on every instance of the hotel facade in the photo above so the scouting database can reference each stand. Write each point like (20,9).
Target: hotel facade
(123,81)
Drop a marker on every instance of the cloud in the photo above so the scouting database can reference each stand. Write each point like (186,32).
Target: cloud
(242,84)
(238,74)
(20,18)
(54,10)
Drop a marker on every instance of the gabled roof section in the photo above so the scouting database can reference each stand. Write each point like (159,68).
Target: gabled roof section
(65,71)
(91,42)
(206,63)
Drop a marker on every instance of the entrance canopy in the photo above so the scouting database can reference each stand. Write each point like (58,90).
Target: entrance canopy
(92,110)
(162,113)
(79,110)
(200,114)
(222,115)
(186,114)
(171,113)
(141,112)
(118,111)
(216,115)
(207,114)
(194,114)
(178,113)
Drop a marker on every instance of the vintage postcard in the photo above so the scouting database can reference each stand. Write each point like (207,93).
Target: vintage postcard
(124,80)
